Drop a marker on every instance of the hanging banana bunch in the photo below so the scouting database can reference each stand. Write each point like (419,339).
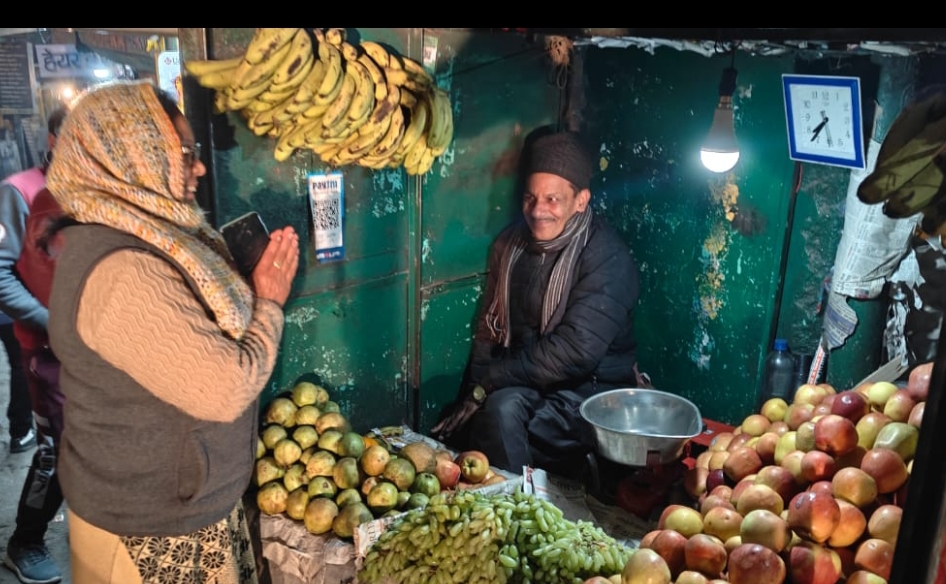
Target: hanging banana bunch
(347,103)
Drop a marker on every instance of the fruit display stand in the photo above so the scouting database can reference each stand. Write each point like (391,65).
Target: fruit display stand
(296,556)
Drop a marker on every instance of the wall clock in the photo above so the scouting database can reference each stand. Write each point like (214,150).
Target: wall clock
(823,114)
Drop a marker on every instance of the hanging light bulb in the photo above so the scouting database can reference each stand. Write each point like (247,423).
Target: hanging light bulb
(720,151)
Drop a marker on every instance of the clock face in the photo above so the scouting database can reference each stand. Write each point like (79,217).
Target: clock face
(823,114)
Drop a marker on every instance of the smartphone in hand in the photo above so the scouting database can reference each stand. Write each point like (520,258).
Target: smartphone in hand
(247,238)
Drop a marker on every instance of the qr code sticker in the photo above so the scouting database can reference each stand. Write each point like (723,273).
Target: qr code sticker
(327,214)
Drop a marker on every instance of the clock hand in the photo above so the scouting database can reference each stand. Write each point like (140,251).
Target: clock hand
(817,130)
(827,133)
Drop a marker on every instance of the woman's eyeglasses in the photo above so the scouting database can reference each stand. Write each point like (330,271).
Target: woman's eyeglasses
(191,154)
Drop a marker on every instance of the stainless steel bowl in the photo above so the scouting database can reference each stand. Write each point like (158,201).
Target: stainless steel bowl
(641,427)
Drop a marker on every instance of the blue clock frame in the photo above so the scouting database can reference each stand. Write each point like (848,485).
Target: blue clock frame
(852,84)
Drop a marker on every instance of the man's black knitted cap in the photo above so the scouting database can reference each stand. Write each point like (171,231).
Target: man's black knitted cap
(563,154)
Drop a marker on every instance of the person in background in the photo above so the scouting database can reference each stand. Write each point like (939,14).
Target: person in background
(164,348)
(556,324)
(19,414)
(24,277)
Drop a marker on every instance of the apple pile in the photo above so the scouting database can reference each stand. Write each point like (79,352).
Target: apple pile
(807,492)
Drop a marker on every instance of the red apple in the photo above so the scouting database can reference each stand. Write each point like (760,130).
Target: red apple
(822,486)
(851,527)
(738,441)
(850,404)
(722,522)
(916,414)
(808,393)
(835,435)
(780,479)
(742,462)
(886,468)
(706,554)
(817,466)
(751,563)
(766,445)
(714,478)
(854,486)
(759,496)
(712,501)
(875,555)
(720,442)
(812,563)
(884,523)
(898,406)
(669,545)
(798,413)
(792,462)
(918,384)
(813,515)
(474,465)
(447,472)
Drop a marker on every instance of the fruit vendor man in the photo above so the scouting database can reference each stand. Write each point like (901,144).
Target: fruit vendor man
(555,325)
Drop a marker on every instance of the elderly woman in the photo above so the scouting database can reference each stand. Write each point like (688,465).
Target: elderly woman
(164,349)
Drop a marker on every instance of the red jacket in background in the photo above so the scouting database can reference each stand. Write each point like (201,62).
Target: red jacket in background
(35,266)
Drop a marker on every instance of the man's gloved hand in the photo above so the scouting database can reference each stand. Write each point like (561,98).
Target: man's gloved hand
(461,413)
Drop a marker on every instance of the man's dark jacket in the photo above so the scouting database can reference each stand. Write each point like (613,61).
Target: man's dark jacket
(593,345)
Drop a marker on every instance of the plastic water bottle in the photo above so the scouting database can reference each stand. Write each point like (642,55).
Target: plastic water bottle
(778,377)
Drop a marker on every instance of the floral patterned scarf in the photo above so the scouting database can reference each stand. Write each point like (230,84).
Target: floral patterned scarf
(118,163)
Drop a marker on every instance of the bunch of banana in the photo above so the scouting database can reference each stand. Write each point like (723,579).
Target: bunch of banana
(349,103)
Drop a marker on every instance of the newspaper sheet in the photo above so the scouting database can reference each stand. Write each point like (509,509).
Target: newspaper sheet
(871,248)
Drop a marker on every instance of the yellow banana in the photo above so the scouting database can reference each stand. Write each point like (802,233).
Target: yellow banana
(349,51)
(441,120)
(334,75)
(418,71)
(220,100)
(339,107)
(203,67)
(335,36)
(408,98)
(283,149)
(266,42)
(315,111)
(425,163)
(406,79)
(414,155)
(416,127)
(300,56)
(364,99)
(240,97)
(217,79)
(260,123)
(391,139)
(273,96)
(377,53)
(302,98)
(377,76)
(377,126)
(250,75)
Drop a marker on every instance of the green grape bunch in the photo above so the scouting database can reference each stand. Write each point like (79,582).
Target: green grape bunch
(464,536)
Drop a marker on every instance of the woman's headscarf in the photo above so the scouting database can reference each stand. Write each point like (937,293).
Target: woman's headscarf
(119,163)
